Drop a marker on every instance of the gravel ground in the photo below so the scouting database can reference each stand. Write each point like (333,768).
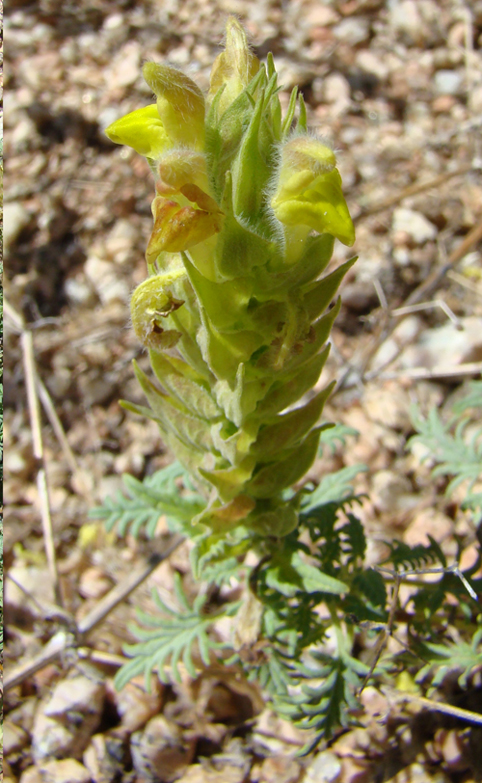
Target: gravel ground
(397,88)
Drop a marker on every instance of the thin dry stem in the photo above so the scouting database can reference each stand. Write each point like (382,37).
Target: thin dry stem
(437,706)
(412,190)
(437,372)
(360,363)
(417,308)
(56,425)
(38,451)
(64,640)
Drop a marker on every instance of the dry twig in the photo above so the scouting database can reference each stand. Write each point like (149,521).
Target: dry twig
(411,190)
(360,364)
(65,640)
(38,451)
(437,706)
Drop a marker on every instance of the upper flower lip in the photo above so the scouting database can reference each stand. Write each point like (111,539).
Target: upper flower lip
(176,119)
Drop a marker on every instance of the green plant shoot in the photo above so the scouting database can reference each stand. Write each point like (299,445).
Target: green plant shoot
(234,314)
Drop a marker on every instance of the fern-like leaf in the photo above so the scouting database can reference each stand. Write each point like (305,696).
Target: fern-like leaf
(335,435)
(456,445)
(147,500)
(458,656)
(215,556)
(327,694)
(170,637)
(402,556)
(473,399)
(333,488)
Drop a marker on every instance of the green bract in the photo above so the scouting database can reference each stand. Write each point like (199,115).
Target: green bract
(234,313)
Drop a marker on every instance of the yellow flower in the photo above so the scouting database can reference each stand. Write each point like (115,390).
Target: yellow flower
(309,190)
(143,130)
(176,119)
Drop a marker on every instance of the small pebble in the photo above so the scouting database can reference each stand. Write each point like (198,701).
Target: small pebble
(15,219)
(448,82)
(325,768)
(414,224)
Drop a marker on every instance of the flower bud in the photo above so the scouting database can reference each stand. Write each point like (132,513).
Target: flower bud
(152,302)
(234,68)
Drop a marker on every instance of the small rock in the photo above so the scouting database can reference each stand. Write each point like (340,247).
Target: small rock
(51,739)
(120,241)
(454,749)
(14,738)
(417,773)
(104,758)
(405,18)
(105,280)
(108,486)
(325,768)
(23,134)
(448,82)
(125,68)
(232,765)
(320,15)
(428,522)
(392,492)
(375,703)
(369,62)
(475,99)
(66,721)
(161,751)
(78,291)
(336,89)
(353,30)
(280,770)
(206,773)
(389,405)
(15,219)
(414,224)
(446,346)
(31,775)
(180,56)
(356,770)
(135,706)
(404,334)
(96,387)
(94,583)
(63,771)
(114,21)
(16,464)
(58,383)
(34,580)
(443,104)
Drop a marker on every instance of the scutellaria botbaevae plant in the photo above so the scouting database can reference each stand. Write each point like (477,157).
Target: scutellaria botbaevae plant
(233,313)
(235,316)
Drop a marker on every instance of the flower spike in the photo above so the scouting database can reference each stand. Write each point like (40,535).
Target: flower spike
(234,313)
